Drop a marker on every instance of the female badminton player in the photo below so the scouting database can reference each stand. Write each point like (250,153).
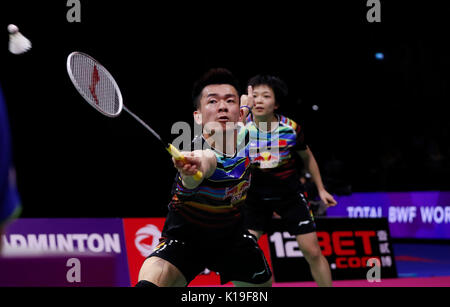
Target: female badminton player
(275,180)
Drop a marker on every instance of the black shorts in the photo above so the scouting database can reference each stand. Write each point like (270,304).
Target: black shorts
(295,212)
(239,259)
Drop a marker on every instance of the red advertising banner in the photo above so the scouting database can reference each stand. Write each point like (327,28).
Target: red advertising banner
(141,237)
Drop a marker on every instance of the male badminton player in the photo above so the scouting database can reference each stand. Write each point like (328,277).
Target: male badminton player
(275,179)
(204,226)
(9,197)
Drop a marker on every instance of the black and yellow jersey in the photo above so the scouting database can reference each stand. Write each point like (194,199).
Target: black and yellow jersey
(214,207)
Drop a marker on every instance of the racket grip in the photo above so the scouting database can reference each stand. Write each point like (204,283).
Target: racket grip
(178,156)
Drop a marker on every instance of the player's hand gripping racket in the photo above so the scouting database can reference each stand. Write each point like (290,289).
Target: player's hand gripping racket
(100,90)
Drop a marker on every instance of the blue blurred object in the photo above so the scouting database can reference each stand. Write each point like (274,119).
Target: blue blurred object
(379,56)
(9,197)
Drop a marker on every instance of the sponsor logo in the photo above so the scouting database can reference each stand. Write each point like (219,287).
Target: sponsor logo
(258,273)
(267,160)
(303,223)
(237,191)
(76,242)
(144,233)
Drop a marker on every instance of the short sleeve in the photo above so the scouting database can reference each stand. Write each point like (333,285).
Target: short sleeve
(300,139)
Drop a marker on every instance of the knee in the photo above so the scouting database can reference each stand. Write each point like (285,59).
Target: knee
(150,269)
(161,273)
(312,254)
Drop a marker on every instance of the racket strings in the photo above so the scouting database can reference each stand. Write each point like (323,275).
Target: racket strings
(95,84)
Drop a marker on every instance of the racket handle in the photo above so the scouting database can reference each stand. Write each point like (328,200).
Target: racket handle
(178,156)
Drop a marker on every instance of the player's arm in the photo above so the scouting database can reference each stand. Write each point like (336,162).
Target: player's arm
(197,160)
(313,168)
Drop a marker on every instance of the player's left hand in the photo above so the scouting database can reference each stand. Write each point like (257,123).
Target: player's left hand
(248,100)
(327,198)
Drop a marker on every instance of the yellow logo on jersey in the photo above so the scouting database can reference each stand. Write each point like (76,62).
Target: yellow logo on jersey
(268,160)
(237,191)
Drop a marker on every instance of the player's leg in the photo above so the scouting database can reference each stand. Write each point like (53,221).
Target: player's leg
(299,221)
(173,263)
(257,216)
(320,269)
(161,273)
(242,262)
(253,260)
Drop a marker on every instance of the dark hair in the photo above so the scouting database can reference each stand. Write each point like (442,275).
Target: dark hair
(277,85)
(213,76)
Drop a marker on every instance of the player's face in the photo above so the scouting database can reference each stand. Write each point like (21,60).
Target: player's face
(219,107)
(264,101)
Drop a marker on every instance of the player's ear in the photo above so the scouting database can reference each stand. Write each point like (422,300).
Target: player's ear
(198,117)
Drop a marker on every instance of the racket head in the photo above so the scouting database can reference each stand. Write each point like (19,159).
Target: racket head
(95,84)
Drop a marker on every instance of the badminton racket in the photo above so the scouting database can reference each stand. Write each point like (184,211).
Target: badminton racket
(98,87)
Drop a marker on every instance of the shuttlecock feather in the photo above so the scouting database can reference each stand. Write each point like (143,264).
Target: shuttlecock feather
(17,42)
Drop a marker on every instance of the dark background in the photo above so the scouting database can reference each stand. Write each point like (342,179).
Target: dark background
(381,125)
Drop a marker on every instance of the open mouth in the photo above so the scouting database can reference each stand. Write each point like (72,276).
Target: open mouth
(223,119)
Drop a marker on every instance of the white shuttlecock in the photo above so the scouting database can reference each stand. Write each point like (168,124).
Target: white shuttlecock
(17,42)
